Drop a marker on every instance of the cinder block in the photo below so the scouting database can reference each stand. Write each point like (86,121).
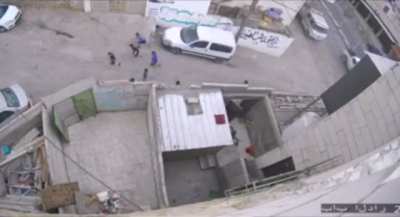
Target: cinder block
(396,73)
(393,130)
(394,84)
(394,104)
(358,137)
(346,153)
(382,127)
(357,113)
(367,138)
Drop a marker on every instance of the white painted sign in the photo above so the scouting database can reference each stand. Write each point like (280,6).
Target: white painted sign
(266,42)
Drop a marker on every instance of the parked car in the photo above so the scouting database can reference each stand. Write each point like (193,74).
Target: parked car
(350,59)
(314,23)
(9,15)
(13,101)
(202,41)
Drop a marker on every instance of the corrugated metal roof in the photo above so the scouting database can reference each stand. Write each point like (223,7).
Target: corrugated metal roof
(182,131)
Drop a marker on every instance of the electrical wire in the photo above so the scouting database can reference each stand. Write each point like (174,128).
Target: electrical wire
(89,173)
(84,169)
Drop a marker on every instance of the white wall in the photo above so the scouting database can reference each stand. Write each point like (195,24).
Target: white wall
(189,6)
(263,41)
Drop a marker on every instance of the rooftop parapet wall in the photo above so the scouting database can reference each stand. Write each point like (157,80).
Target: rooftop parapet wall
(366,122)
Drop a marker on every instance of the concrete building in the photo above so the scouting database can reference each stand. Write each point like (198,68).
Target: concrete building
(162,146)
(383,19)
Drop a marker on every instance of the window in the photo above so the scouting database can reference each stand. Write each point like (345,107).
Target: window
(11,98)
(317,27)
(3,10)
(200,44)
(193,106)
(189,34)
(4,115)
(220,48)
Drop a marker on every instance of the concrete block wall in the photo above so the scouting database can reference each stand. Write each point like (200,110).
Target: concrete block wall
(263,128)
(364,124)
(122,97)
(118,6)
(234,174)
(55,158)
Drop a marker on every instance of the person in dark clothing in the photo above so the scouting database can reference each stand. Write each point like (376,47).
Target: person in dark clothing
(112,58)
(135,50)
(145,72)
(154,58)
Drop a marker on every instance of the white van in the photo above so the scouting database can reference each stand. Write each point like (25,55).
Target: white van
(202,41)
(314,23)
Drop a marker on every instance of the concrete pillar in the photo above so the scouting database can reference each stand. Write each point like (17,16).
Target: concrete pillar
(87,6)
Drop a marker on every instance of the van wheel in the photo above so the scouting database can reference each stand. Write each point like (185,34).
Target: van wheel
(176,50)
(2,29)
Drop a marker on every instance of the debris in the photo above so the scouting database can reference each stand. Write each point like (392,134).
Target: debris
(58,32)
(42,25)
(110,201)
(60,195)
(6,150)
(22,151)
(28,204)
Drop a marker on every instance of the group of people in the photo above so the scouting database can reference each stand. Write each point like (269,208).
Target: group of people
(135,47)
(140,40)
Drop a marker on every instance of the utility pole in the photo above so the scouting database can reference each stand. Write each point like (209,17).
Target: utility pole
(245,18)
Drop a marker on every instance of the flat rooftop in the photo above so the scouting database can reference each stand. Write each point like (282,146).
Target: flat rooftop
(114,147)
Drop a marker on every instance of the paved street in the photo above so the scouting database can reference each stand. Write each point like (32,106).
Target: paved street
(34,55)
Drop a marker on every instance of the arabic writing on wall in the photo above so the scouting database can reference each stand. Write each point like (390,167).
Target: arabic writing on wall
(260,37)
(263,41)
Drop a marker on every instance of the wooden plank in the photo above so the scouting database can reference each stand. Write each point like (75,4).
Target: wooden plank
(60,195)
(15,154)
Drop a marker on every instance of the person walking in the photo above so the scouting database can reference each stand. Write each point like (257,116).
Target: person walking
(112,58)
(145,72)
(135,50)
(154,58)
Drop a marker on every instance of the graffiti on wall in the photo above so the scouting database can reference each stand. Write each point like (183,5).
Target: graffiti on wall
(271,43)
(169,16)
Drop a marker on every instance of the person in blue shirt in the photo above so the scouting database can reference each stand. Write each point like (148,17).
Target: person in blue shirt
(154,58)
(140,39)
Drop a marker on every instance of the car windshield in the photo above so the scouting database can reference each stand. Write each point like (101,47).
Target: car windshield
(189,34)
(318,28)
(3,9)
(11,98)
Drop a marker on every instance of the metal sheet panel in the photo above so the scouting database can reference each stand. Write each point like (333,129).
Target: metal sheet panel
(182,131)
